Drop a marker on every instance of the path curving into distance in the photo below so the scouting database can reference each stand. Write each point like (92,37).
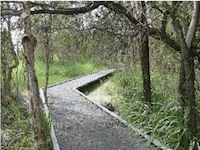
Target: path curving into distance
(81,125)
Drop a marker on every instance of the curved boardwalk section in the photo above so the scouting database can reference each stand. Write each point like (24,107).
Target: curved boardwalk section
(81,125)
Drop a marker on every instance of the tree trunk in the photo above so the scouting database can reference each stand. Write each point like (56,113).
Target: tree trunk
(189,68)
(144,56)
(182,87)
(29,42)
(145,68)
(47,69)
(189,71)
(190,90)
(47,53)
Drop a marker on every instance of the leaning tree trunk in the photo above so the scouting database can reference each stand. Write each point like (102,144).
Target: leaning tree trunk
(144,56)
(29,42)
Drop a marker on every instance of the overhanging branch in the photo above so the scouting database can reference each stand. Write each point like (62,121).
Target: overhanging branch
(155,33)
(68,11)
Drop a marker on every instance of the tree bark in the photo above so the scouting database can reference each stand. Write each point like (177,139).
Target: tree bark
(145,66)
(144,50)
(29,43)
(182,88)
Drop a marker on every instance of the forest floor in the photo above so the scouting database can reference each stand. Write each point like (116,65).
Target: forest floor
(81,125)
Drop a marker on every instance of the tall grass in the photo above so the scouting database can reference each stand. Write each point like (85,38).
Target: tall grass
(166,120)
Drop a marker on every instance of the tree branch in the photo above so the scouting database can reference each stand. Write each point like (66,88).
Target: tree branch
(155,33)
(68,11)
(193,24)
(118,8)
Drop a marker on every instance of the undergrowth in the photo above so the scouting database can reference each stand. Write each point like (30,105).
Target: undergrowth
(166,120)
(16,130)
(17,133)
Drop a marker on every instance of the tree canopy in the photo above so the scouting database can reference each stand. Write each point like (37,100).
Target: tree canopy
(111,31)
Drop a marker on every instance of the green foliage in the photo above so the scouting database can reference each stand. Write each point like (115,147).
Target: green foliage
(130,83)
(165,120)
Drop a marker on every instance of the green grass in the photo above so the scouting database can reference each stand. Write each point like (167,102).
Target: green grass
(165,121)
(58,71)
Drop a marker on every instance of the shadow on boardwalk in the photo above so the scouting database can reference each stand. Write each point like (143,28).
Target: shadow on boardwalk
(81,125)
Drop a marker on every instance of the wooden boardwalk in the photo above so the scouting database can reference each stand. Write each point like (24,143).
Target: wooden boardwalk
(81,125)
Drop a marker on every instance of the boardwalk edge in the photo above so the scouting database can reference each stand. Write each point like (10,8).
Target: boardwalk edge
(138,131)
(53,135)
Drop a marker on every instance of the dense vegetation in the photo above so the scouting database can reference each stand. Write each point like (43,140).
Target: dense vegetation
(156,43)
(164,120)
